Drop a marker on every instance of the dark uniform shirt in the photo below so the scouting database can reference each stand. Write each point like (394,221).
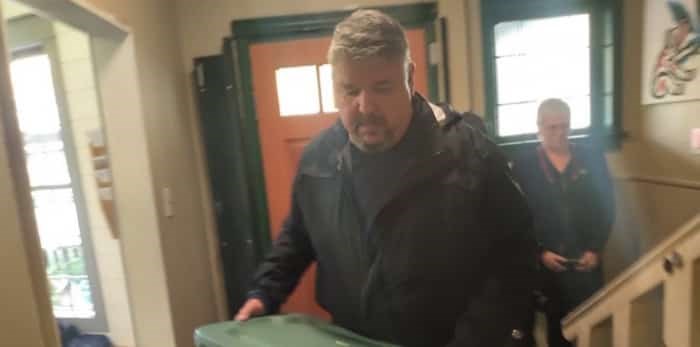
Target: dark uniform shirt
(374,175)
(561,183)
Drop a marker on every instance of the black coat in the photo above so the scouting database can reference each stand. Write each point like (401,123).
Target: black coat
(445,259)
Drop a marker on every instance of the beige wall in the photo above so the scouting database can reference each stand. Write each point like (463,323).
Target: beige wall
(657,147)
(658,143)
(179,242)
(81,97)
(166,307)
(134,192)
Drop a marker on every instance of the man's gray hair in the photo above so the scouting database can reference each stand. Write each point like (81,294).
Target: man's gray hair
(553,106)
(368,33)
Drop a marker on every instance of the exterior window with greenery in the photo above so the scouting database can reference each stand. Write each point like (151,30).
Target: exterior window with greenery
(59,205)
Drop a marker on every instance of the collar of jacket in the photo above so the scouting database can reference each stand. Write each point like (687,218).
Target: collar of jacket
(574,168)
(331,154)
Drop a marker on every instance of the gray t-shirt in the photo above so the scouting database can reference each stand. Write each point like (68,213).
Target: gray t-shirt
(374,175)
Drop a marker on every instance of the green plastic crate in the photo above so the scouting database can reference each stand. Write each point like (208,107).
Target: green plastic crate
(293,330)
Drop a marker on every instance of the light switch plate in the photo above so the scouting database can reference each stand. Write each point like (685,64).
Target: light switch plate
(434,53)
(168,210)
(695,140)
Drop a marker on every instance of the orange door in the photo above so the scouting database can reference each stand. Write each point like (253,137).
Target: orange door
(288,120)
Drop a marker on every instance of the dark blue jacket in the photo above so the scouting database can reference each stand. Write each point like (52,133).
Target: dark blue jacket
(578,218)
(449,256)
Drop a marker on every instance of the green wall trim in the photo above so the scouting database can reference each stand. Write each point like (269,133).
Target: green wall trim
(264,29)
(431,38)
(239,49)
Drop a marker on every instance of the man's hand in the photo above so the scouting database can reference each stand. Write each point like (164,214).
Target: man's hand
(253,307)
(589,261)
(553,261)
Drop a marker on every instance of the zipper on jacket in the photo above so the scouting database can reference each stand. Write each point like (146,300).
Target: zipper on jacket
(372,274)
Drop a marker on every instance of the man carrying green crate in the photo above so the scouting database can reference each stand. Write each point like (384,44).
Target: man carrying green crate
(420,235)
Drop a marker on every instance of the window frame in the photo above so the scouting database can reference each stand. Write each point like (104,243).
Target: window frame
(42,42)
(605,16)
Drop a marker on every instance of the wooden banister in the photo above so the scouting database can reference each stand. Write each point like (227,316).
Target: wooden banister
(669,269)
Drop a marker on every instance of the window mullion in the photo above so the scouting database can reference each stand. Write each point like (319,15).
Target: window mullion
(52,187)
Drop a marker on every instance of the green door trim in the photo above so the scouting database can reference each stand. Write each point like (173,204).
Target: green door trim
(317,24)
(247,32)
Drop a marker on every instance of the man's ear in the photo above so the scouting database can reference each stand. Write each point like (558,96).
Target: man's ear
(410,74)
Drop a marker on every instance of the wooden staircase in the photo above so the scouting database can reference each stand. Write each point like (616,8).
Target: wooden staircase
(654,303)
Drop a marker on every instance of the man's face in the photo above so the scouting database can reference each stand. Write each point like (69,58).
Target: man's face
(373,96)
(554,129)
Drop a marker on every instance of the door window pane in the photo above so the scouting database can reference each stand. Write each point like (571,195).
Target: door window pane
(297,90)
(46,164)
(56,218)
(35,98)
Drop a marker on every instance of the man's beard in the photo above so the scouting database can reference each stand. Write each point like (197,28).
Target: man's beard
(378,123)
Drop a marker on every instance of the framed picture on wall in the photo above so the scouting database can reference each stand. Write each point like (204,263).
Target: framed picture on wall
(671,51)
